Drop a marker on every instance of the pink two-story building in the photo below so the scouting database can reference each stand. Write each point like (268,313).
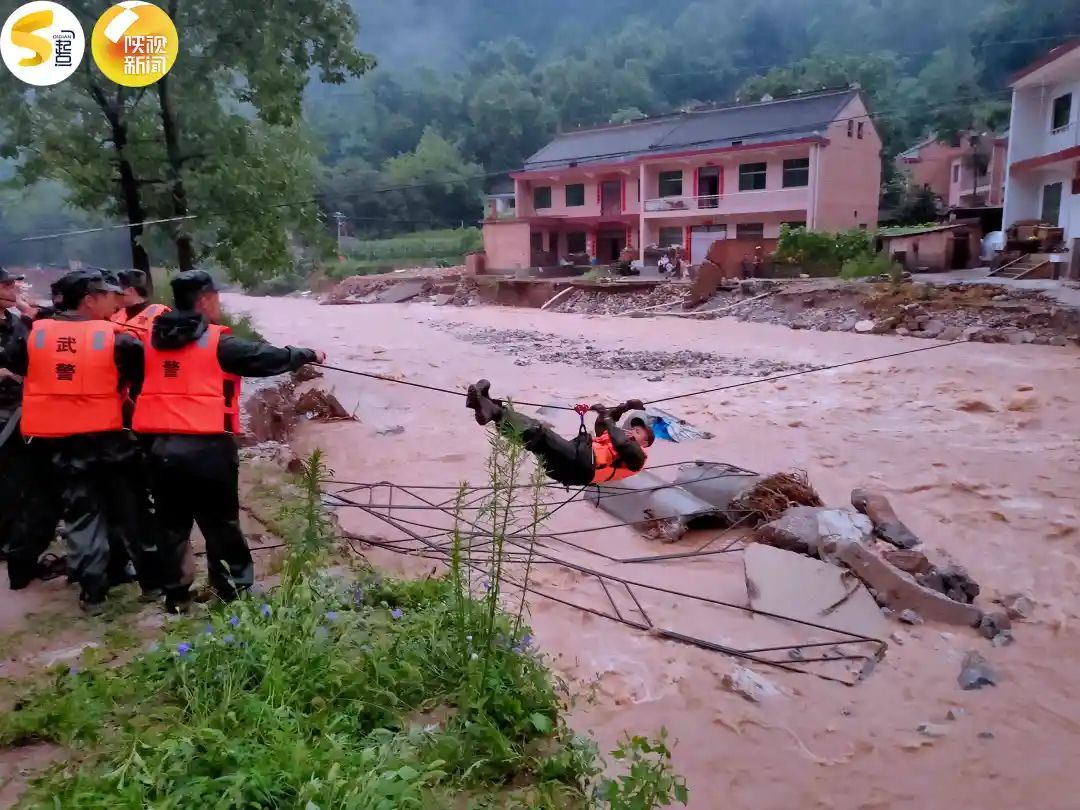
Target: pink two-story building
(690,178)
(951,171)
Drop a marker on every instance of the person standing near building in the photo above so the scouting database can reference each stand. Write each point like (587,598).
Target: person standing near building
(189,411)
(77,367)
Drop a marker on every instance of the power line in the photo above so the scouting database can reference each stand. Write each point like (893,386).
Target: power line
(960,102)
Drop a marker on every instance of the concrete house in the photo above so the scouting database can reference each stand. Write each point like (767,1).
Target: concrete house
(1043,181)
(689,178)
(951,171)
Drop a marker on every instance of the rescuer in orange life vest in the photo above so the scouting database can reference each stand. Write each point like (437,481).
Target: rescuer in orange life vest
(76,367)
(614,454)
(189,409)
(136,313)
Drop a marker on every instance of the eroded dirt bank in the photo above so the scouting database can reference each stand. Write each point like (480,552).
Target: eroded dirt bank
(975,445)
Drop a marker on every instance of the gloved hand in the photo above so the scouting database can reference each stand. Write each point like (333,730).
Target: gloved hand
(634,405)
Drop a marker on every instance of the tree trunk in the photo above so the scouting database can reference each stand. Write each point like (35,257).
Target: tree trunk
(185,251)
(129,195)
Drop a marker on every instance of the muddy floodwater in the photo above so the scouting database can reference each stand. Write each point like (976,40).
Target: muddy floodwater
(975,445)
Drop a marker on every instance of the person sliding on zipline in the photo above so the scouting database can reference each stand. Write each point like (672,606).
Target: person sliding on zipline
(614,454)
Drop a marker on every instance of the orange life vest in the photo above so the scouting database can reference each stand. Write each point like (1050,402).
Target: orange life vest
(72,385)
(185,390)
(140,325)
(606,462)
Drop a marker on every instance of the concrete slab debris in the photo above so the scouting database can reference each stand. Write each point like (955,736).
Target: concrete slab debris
(810,590)
(653,506)
(750,686)
(402,292)
(887,525)
(806,528)
(1017,606)
(718,485)
(899,590)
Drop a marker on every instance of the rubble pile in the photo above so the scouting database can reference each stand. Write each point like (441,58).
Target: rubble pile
(529,347)
(428,281)
(875,545)
(602,302)
(273,408)
(983,312)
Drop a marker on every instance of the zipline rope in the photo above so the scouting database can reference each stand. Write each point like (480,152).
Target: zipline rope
(774,378)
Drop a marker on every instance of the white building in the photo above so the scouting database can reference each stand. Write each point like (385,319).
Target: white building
(1044,145)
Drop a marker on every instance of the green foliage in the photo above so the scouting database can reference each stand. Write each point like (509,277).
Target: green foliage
(867,266)
(815,248)
(421,245)
(650,781)
(328,693)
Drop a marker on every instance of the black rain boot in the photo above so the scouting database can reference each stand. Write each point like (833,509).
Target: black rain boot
(484,407)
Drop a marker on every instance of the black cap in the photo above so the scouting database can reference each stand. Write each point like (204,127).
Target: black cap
(7,278)
(77,284)
(132,278)
(191,283)
(110,282)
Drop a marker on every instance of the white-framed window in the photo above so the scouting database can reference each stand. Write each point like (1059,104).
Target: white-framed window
(752,176)
(796,172)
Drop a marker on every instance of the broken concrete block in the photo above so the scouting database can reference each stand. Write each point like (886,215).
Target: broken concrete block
(442,299)
(951,579)
(718,485)
(401,292)
(887,525)
(749,685)
(805,528)
(864,326)
(653,506)
(789,584)
(976,673)
(909,616)
(912,562)
(1017,605)
(932,730)
(897,589)
(994,623)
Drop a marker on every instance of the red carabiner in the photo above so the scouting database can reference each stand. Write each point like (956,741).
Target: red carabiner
(581,410)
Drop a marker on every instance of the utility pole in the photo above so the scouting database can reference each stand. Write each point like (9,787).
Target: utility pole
(340,218)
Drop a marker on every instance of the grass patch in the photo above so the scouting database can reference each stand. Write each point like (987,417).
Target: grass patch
(365,694)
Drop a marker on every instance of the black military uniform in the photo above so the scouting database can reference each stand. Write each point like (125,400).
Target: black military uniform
(195,477)
(29,498)
(97,504)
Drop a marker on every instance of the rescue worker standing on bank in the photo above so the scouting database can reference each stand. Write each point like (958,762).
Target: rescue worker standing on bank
(76,368)
(136,313)
(189,409)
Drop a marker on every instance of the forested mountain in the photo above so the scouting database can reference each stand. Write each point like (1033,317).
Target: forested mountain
(465,84)
(459,91)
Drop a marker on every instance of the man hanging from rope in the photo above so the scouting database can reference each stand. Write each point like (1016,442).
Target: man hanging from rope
(614,454)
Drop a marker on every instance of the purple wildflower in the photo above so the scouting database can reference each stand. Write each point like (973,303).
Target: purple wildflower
(396,613)
(183,648)
(526,641)
(266,611)
(229,639)
(73,670)
(358,596)
(331,615)
(234,621)
(487,585)
(209,630)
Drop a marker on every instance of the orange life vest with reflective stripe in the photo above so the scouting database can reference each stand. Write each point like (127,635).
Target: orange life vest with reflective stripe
(139,325)
(185,390)
(606,462)
(72,385)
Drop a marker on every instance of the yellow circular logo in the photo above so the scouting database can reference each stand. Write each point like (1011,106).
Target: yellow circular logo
(134,43)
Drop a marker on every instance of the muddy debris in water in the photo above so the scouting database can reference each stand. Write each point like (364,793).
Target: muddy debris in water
(540,347)
(1018,606)
(749,685)
(887,526)
(975,673)
(994,624)
(273,409)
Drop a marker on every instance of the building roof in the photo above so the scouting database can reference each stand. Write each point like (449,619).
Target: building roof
(760,122)
(915,230)
(1047,58)
(912,153)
